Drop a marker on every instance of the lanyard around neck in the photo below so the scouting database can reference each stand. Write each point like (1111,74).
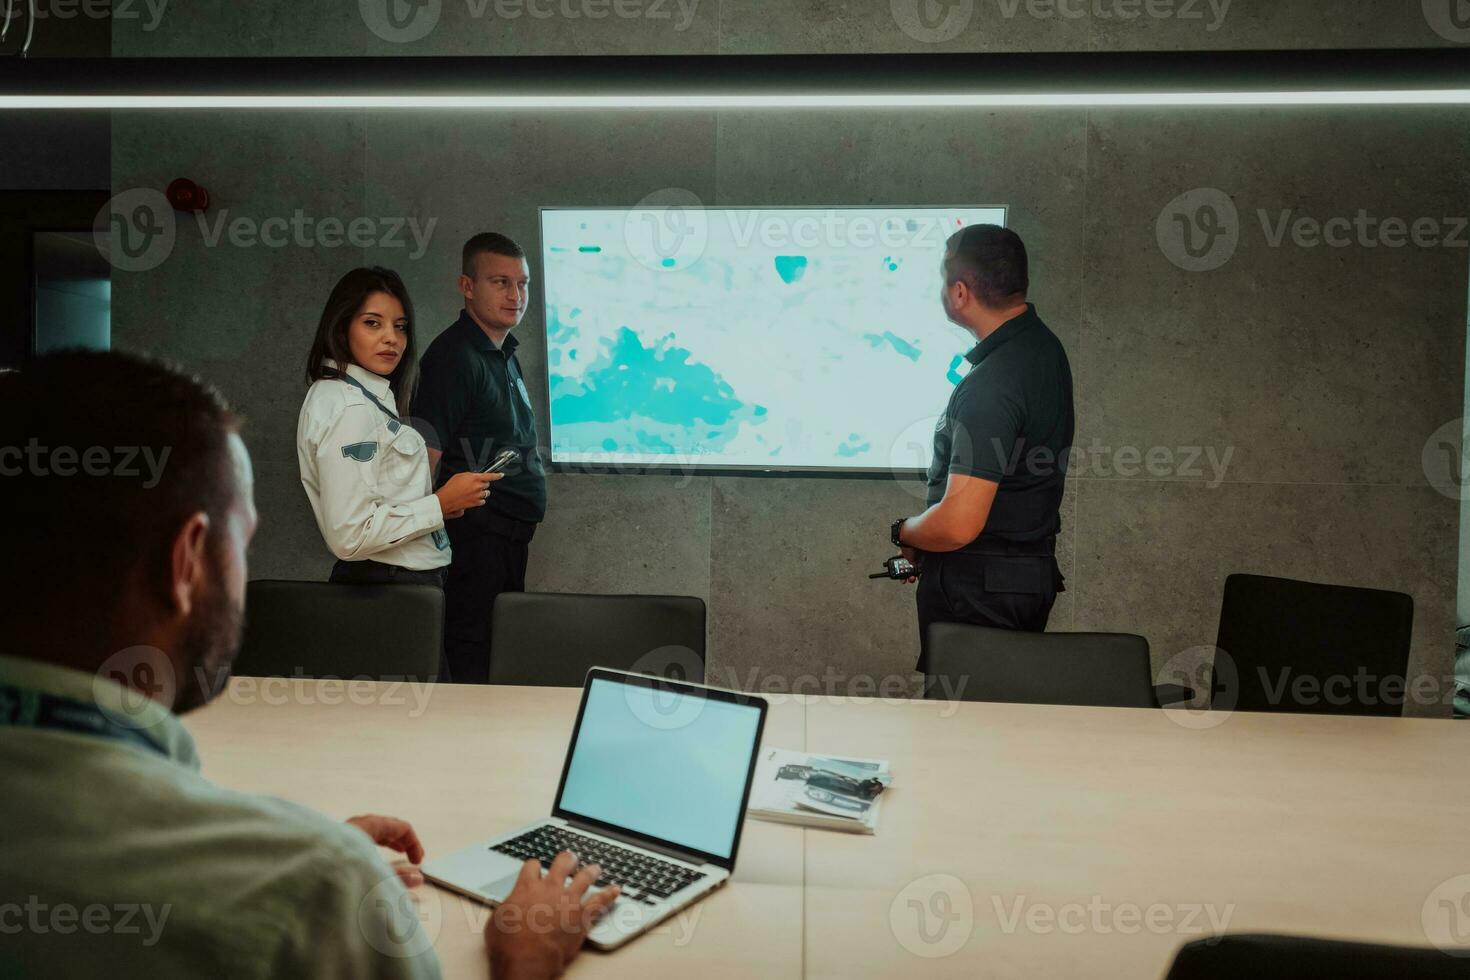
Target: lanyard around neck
(20,708)
(393,421)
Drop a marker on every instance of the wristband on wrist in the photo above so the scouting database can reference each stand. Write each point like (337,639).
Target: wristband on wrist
(894,530)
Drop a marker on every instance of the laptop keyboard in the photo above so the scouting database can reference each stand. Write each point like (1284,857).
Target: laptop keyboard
(643,878)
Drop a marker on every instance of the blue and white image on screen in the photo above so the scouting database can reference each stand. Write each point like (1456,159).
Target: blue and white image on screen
(778,339)
(671,766)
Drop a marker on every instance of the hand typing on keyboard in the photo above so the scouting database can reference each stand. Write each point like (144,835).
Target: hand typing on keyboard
(643,878)
(539,928)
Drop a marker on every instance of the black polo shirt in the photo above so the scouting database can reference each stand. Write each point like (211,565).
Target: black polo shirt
(1011,421)
(472,403)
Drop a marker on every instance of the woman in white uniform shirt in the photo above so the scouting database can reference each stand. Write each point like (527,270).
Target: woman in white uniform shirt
(365,469)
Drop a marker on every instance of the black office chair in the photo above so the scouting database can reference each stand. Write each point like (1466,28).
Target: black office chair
(322,629)
(1262,957)
(978,663)
(1278,630)
(552,639)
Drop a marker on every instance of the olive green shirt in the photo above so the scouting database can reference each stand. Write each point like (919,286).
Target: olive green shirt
(119,861)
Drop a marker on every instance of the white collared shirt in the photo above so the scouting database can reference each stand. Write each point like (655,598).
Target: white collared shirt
(367,475)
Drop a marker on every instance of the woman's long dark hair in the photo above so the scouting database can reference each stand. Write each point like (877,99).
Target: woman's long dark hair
(331,343)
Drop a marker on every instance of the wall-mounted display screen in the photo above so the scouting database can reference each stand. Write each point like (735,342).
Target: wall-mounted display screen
(781,339)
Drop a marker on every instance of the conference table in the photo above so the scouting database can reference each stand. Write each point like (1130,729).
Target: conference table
(1016,840)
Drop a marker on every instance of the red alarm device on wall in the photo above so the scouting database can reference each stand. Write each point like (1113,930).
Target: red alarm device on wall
(185,195)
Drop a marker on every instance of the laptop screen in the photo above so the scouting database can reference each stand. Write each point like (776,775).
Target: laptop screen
(663,763)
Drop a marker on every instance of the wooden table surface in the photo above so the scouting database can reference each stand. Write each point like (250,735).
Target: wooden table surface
(1017,840)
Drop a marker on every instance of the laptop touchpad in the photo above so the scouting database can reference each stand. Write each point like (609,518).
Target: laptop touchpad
(498,889)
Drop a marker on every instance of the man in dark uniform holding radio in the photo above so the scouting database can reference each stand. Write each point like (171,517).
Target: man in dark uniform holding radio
(472,406)
(986,545)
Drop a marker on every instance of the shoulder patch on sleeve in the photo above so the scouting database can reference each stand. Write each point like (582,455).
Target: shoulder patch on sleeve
(361,451)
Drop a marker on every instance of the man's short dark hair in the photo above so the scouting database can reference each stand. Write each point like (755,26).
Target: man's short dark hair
(991,260)
(492,242)
(103,458)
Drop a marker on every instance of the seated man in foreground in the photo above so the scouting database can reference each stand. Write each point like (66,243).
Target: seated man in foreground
(123,612)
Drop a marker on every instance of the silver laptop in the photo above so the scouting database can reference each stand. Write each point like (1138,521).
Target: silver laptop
(653,790)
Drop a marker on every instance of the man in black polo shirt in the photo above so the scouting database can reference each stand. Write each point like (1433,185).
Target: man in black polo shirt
(987,543)
(471,404)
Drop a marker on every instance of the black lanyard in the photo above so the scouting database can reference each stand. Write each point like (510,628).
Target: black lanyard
(393,421)
(20,708)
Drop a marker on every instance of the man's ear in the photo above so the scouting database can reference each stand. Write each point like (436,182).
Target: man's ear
(466,286)
(187,565)
(959,294)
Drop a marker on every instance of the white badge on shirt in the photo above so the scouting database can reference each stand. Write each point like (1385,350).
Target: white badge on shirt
(525,395)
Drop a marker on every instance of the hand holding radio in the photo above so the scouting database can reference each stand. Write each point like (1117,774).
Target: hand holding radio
(899,569)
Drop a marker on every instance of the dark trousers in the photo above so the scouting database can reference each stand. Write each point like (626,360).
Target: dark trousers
(1009,592)
(486,563)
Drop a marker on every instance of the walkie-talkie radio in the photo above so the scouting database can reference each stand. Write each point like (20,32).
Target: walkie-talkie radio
(503,461)
(898,568)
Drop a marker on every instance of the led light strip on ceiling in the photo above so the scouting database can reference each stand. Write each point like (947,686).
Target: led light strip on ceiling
(1382,77)
(734,101)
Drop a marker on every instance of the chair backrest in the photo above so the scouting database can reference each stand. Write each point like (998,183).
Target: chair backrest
(324,629)
(977,663)
(1311,648)
(552,639)
(1262,957)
